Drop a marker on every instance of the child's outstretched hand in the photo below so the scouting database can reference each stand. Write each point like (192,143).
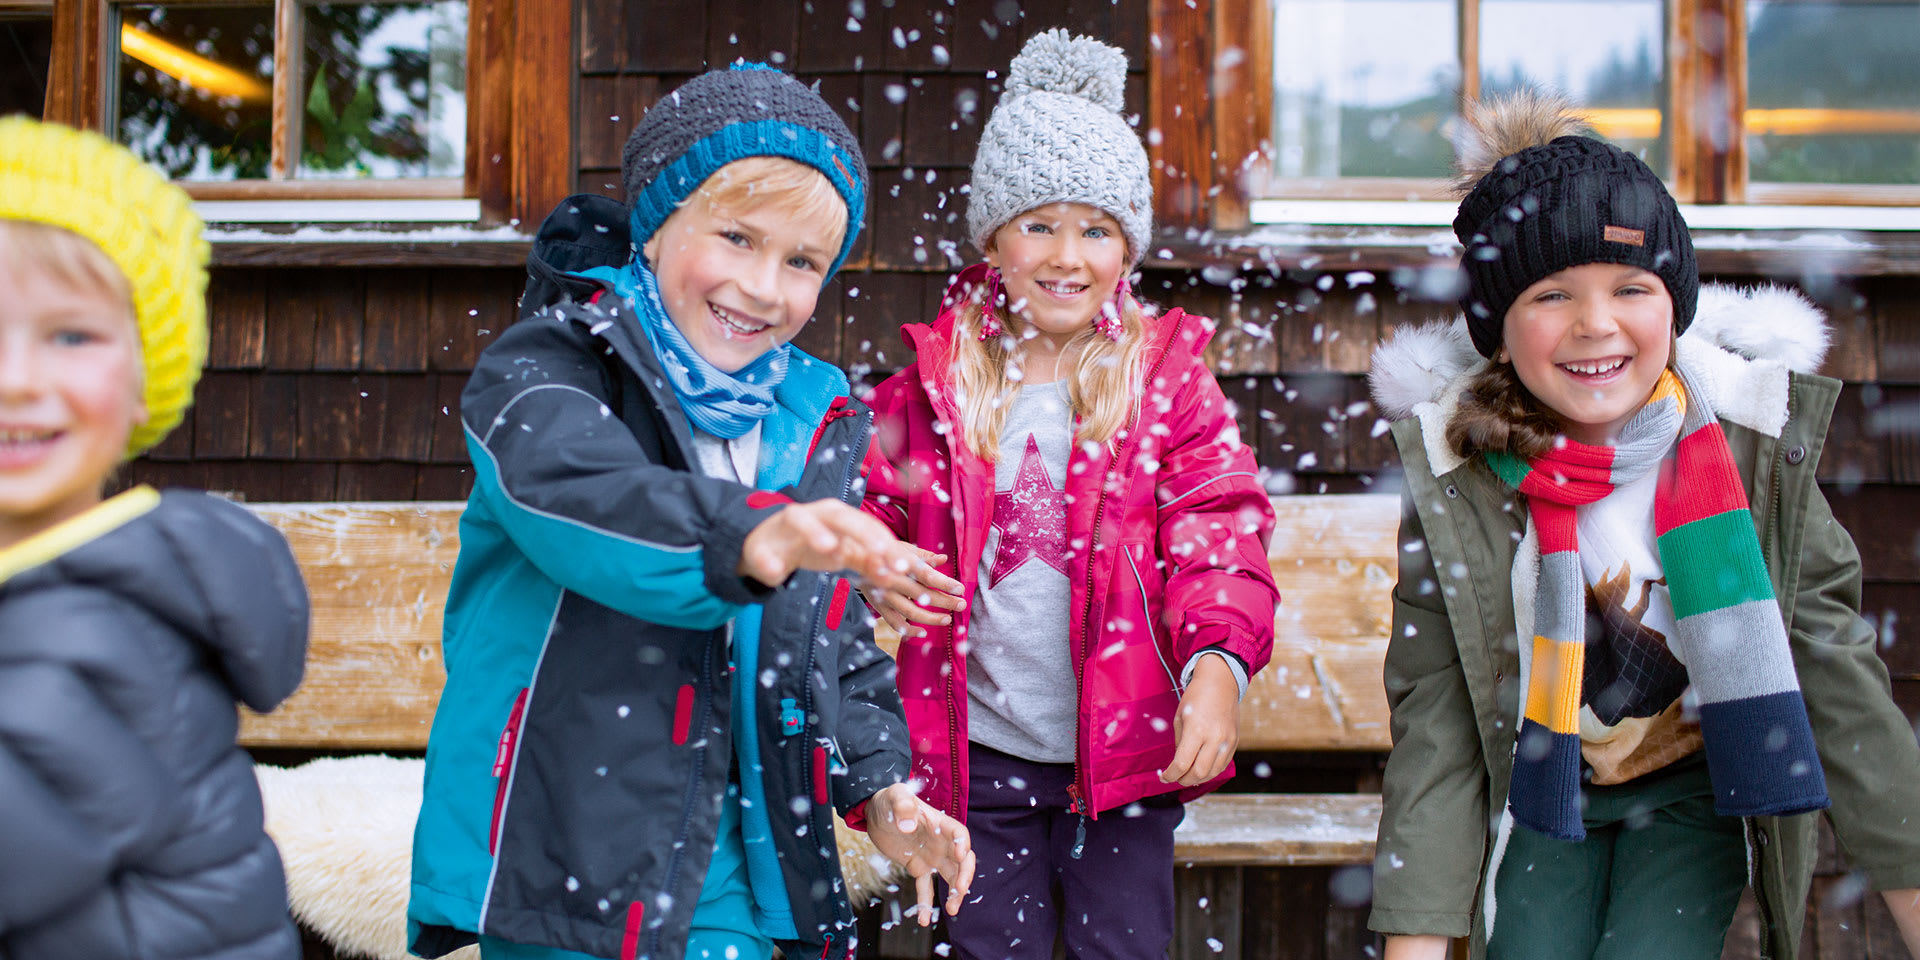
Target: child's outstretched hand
(931,601)
(925,841)
(828,535)
(1207,726)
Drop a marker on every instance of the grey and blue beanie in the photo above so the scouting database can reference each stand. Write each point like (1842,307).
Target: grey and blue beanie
(749,110)
(1058,136)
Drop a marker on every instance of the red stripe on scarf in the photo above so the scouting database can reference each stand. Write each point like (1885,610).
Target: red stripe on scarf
(1711,485)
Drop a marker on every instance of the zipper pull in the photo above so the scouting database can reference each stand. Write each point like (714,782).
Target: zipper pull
(1080,828)
(792,721)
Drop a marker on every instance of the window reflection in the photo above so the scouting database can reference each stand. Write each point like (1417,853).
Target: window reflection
(1607,56)
(1364,88)
(384,90)
(1833,92)
(195,91)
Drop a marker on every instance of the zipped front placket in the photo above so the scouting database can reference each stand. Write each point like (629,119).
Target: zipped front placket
(823,825)
(1079,790)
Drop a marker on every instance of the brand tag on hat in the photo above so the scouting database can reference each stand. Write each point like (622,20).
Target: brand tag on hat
(1632,238)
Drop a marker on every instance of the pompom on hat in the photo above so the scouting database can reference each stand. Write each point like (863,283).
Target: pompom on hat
(84,183)
(1058,136)
(1541,197)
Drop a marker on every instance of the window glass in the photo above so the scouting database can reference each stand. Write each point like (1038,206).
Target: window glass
(1607,56)
(1364,88)
(384,90)
(1833,92)
(195,90)
(26,46)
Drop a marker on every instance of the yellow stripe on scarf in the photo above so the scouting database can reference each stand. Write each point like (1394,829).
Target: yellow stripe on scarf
(1553,686)
(1669,386)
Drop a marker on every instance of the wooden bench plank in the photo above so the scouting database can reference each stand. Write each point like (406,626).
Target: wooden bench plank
(378,576)
(1278,829)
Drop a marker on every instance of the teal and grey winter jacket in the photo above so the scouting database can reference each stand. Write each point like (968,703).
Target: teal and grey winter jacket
(584,738)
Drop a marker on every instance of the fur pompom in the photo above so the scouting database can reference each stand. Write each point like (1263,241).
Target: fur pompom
(1765,322)
(1505,125)
(1059,62)
(1417,363)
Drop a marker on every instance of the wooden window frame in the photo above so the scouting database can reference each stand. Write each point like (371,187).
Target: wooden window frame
(1212,115)
(519,160)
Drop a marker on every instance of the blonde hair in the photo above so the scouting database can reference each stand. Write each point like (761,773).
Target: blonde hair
(789,187)
(69,258)
(1103,387)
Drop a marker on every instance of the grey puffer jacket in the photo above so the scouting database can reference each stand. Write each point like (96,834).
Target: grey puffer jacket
(132,824)
(1452,666)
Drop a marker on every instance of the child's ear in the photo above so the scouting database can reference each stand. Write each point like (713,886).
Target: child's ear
(651,249)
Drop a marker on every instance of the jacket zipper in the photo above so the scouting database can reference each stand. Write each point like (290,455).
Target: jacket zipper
(1758,851)
(503,766)
(1077,792)
(839,410)
(692,797)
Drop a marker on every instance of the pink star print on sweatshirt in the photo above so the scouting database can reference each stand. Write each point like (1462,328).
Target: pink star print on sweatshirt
(1031,518)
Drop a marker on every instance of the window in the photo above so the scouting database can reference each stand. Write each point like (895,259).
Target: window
(1733,101)
(354,91)
(371,110)
(26,41)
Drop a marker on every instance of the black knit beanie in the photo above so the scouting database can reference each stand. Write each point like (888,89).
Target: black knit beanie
(1561,204)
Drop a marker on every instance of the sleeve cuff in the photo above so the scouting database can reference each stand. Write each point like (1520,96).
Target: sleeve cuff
(1233,663)
(1419,923)
(721,555)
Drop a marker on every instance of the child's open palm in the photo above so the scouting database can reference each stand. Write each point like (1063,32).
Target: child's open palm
(925,841)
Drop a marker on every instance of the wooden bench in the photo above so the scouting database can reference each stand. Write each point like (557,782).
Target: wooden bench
(378,574)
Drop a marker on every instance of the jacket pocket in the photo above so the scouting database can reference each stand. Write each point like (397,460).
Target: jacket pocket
(503,767)
(1142,591)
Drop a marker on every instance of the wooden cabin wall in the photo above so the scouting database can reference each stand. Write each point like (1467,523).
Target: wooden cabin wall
(343,383)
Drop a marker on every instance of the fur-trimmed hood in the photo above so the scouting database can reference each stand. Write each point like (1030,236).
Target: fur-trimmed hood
(1739,349)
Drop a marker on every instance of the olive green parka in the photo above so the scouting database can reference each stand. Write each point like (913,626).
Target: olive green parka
(1452,668)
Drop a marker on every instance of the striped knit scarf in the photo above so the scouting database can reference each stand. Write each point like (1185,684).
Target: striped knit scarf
(1759,746)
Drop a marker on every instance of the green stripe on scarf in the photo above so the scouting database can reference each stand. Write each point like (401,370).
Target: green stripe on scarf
(1714,562)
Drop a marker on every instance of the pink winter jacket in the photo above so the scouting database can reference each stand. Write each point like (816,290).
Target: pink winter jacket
(1178,525)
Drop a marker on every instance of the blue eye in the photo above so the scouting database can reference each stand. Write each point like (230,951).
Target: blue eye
(75,338)
(802,263)
(1098,233)
(734,237)
(1038,228)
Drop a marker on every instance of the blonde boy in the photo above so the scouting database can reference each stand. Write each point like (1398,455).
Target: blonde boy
(128,626)
(659,689)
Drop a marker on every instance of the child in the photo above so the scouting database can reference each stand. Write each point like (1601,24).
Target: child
(1067,456)
(656,696)
(130,625)
(1628,487)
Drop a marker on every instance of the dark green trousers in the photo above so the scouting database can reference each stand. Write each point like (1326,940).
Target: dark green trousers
(1657,878)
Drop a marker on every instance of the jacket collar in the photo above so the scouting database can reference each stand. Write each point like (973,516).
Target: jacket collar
(933,343)
(1741,347)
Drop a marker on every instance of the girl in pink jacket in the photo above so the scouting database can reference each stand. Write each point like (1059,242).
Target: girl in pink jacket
(1097,588)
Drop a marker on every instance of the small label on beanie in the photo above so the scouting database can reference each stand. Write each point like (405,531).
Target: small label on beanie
(1630,237)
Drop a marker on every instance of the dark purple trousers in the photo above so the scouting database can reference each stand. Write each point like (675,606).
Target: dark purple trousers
(1114,900)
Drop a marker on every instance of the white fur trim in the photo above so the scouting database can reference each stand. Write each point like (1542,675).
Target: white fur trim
(1738,351)
(344,827)
(1416,365)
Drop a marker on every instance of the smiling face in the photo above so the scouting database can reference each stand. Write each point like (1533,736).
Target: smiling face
(70,395)
(1059,263)
(1590,343)
(740,279)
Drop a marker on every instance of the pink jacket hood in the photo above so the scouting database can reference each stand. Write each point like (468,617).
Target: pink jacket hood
(1178,526)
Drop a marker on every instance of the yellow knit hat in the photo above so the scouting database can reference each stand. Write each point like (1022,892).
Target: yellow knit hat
(85,183)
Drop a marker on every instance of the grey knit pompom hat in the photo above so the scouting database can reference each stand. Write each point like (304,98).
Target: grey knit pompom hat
(1057,136)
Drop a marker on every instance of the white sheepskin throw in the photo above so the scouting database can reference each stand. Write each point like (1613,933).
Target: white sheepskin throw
(344,827)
